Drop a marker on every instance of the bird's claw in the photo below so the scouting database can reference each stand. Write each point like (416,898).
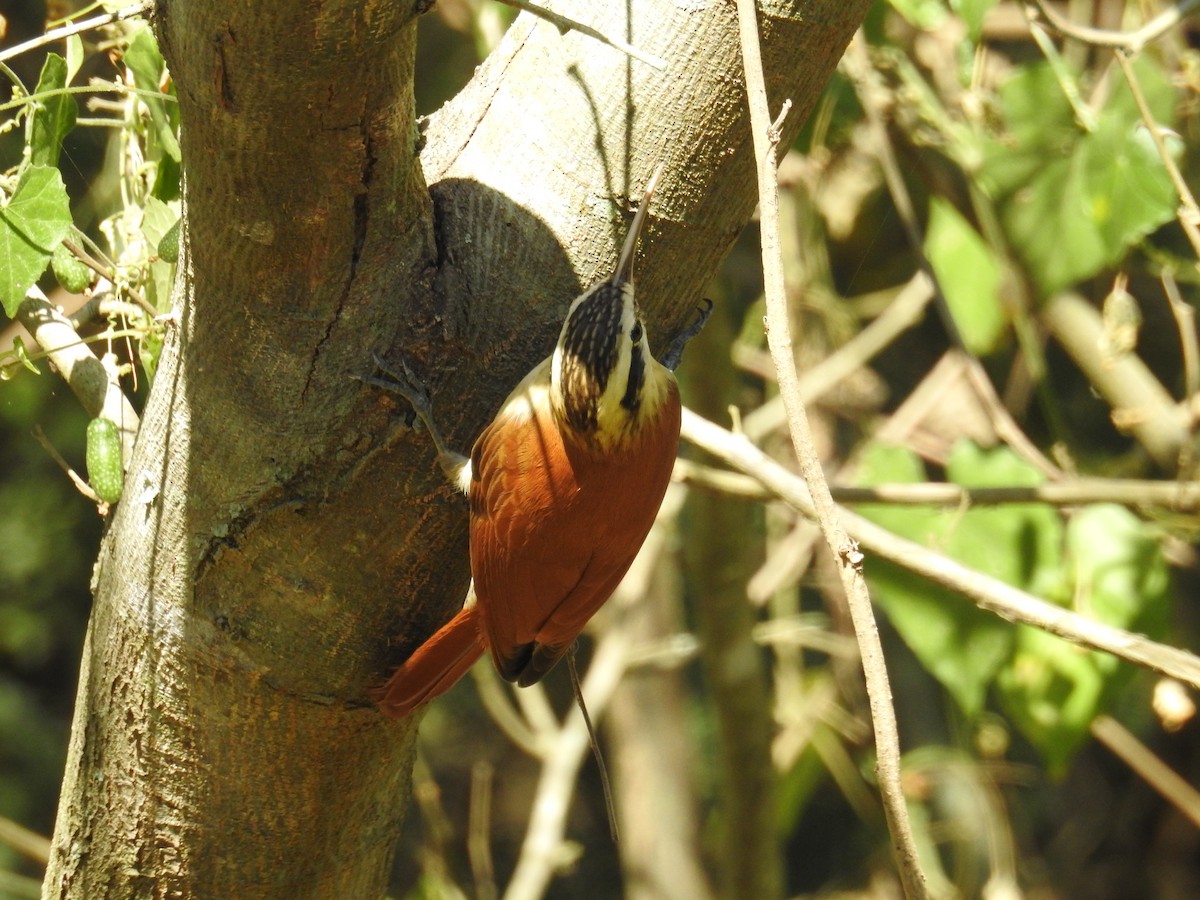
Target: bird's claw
(674,353)
(403,382)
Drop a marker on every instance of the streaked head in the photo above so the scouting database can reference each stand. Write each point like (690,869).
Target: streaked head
(604,383)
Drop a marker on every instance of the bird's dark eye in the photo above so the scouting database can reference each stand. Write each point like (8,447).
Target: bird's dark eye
(636,334)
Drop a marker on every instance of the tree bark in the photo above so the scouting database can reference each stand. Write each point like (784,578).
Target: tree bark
(284,538)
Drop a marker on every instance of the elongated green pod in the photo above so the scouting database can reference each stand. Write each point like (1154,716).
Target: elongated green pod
(105,472)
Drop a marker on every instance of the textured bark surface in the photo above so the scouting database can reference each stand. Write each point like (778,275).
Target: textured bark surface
(283,538)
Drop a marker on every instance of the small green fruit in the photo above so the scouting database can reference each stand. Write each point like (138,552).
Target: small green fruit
(70,272)
(104,460)
(168,245)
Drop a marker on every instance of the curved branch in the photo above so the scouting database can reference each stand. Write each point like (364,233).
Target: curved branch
(1132,41)
(988,593)
(84,373)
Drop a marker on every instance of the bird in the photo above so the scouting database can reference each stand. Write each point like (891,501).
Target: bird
(563,484)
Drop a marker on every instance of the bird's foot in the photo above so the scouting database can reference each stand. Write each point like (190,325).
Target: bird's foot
(674,353)
(406,383)
(403,382)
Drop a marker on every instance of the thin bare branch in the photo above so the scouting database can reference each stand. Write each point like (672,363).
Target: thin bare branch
(563,24)
(988,593)
(28,843)
(65,31)
(1162,496)
(1133,41)
(542,851)
(78,366)
(479,840)
(1156,773)
(883,714)
(901,314)
(1185,321)
(108,272)
(81,484)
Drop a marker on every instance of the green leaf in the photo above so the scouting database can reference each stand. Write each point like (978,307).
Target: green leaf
(1040,126)
(23,355)
(1129,191)
(74,56)
(969,276)
(1082,213)
(924,14)
(1051,223)
(53,117)
(960,645)
(1118,569)
(1161,95)
(1019,543)
(963,647)
(149,350)
(972,13)
(145,61)
(72,274)
(1052,690)
(1074,202)
(167,180)
(160,223)
(32,223)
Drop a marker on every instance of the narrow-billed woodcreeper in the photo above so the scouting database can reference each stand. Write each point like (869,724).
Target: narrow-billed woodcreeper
(564,484)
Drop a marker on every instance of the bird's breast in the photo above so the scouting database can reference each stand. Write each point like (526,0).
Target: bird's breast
(556,521)
(526,467)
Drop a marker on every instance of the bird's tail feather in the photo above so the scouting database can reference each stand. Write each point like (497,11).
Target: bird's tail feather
(433,667)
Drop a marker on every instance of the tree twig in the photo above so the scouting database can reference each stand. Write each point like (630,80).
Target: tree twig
(78,366)
(1185,321)
(1139,402)
(883,715)
(108,272)
(902,313)
(479,847)
(1156,773)
(563,24)
(541,851)
(65,31)
(1165,496)
(105,304)
(1133,41)
(988,593)
(80,484)
(27,843)
(498,703)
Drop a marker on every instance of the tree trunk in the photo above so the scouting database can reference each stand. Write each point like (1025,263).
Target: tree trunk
(283,538)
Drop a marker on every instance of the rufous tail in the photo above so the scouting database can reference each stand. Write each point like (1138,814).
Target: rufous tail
(434,666)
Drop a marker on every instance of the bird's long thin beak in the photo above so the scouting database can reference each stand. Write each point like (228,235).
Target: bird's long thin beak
(624,270)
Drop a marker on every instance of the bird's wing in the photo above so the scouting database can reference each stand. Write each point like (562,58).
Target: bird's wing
(553,531)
